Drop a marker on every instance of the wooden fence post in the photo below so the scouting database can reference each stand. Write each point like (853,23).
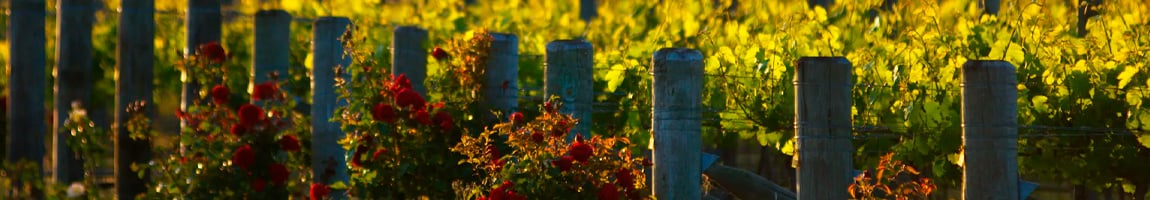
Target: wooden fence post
(73,80)
(823,127)
(203,26)
(134,54)
(990,130)
(501,86)
(676,123)
(409,57)
(570,74)
(328,62)
(588,9)
(26,82)
(272,45)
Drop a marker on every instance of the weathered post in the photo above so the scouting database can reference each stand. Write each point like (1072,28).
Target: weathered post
(203,26)
(134,56)
(272,45)
(588,10)
(501,86)
(676,123)
(823,127)
(73,80)
(409,57)
(26,81)
(990,130)
(328,62)
(570,74)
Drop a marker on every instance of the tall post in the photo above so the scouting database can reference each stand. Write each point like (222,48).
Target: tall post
(588,9)
(73,80)
(501,86)
(328,62)
(677,123)
(823,127)
(134,56)
(203,26)
(272,45)
(990,130)
(409,56)
(26,81)
(570,74)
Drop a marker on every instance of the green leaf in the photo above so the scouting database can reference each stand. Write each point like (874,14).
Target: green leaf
(1126,76)
(1145,140)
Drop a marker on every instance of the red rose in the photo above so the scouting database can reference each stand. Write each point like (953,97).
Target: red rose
(318,191)
(383,112)
(580,151)
(258,184)
(608,191)
(548,107)
(517,118)
(398,83)
(409,98)
(244,156)
(560,129)
(266,90)
(537,136)
(378,153)
(357,158)
(624,178)
(250,114)
(278,173)
(439,53)
(492,152)
(289,143)
(563,163)
(220,94)
(213,51)
(240,129)
(444,121)
(422,117)
(507,184)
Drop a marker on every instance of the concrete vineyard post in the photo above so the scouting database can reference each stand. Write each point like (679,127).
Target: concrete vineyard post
(73,80)
(203,26)
(134,54)
(570,74)
(676,123)
(329,61)
(501,84)
(990,130)
(272,45)
(823,127)
(26,82)
(409,56)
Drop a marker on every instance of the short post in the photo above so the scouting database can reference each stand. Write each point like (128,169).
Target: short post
(989,7)
(272,45)
(823,127)
(203,26)
(677,123)
(990,130)
(134,56)
(26,81)
(409,56)
(501,86)
(73,80)
(570,74)
(328,62)
(588,10)
(826,4)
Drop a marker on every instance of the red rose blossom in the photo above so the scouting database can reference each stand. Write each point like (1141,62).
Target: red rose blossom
(548,107)
(580,151)
(289,143)
(383,112)
(608,192)
(243,157)
(398,83)
(560,129)
(264,91)
(278,173)
(439,53)
(220,94)
(517,118)
(408,98)
(250,114)
(258,184)
(444,121)
(563,163)
(537,136)
(624,178)
(357,157)
(213,51)
(240,129)
(318,191)
(422,117)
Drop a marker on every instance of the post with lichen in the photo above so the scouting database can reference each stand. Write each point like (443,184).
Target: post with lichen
(989,130)
(570,75)
(676,123)
(501,82)
(823,127)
